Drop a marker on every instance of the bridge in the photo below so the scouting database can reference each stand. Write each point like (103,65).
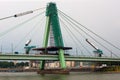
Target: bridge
(56,58)
(53,34)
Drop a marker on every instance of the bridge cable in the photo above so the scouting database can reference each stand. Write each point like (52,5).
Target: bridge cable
(22,14)
(40,30)
(33,28)
(90,30)
(77,29)
(68,32)
(88,34)
(19,25)
(76,38)
(92,38)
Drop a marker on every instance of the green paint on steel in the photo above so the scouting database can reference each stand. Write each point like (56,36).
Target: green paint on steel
(62,59)
(28,57)
(45,40)
(54,20)
(51,11)
(42,65)
(55,57)
(46,34)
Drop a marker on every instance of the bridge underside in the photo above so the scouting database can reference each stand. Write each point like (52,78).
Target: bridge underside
(56,58)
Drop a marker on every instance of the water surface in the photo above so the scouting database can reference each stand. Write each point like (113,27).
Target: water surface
(72,76)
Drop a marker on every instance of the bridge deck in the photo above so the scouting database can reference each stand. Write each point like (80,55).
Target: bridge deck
(55,57)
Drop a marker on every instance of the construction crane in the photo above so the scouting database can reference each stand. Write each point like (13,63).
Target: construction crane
(27,47)
(97,50)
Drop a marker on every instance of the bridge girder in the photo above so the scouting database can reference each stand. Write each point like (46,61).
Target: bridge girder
(56,58)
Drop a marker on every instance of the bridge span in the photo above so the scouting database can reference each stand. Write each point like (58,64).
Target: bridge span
(56,58)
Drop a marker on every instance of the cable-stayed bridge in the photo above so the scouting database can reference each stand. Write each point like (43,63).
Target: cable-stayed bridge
(60,31)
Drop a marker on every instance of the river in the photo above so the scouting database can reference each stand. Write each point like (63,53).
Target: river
(71,76)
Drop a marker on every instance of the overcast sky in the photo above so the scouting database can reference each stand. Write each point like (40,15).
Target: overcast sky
(101,16)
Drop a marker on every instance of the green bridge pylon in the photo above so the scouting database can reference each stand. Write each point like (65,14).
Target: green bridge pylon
(52,21)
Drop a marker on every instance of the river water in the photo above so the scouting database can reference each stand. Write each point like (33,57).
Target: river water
(71,76)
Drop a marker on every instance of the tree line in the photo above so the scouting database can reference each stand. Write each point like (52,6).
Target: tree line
(6,64)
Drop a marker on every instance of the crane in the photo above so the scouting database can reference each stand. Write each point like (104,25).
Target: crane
(97,50)
(27,47)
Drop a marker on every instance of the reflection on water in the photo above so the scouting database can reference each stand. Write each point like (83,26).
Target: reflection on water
(72,76)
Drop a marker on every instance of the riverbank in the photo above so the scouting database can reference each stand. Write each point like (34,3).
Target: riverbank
(113,69)
(18,70)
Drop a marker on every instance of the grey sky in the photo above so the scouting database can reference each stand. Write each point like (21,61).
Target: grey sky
(101,16)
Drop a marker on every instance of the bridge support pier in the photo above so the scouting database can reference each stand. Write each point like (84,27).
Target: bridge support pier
(52,22)
(42,65)
(62,59)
